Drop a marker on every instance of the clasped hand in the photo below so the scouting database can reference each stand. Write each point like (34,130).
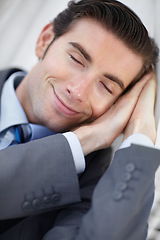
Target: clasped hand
(132,113)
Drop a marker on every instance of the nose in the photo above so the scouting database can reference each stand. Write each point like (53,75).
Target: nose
(79,90)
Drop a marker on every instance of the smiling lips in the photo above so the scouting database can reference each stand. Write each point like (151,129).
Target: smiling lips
(62,107)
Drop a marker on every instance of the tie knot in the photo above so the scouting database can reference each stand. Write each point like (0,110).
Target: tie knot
(23,133)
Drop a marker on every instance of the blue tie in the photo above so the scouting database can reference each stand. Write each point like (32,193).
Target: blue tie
(23,133)
(15,135)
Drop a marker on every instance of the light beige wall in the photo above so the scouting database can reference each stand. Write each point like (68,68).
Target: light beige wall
(145,10)
(20,24)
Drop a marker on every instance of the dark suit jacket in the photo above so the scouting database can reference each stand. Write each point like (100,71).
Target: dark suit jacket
(41,193)
(39,177)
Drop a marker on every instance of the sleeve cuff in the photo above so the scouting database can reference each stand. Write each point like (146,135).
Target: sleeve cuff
(77,152)
(139,139)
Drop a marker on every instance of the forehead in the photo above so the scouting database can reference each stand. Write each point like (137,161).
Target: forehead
(108,52)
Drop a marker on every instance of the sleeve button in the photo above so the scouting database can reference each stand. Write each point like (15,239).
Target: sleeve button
(126,177)
(121,186)
(26,205)
(36,203)
(117,195)
(46,200)
(55,198)
(130,167)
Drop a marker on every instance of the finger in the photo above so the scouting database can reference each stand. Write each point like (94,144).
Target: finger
(142,119)
(122,110)
(148,94)
(137,88)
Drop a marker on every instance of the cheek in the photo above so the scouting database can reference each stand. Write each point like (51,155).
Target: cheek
(39,93)
(101,106)
(54,64)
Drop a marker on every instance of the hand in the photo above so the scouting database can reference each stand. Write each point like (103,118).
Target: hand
(142,119)
(104,130)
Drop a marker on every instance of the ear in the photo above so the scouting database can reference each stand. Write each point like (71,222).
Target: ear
(44,39)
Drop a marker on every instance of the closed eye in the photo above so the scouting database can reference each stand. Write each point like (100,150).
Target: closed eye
(76,60)
(107,88)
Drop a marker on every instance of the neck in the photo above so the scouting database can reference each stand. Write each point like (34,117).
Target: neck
(23,97)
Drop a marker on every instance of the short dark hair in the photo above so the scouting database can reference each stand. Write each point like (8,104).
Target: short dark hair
(116,18)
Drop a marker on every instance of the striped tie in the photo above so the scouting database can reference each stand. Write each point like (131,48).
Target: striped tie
(15,135)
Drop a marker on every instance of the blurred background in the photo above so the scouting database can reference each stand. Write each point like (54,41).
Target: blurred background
(21,22)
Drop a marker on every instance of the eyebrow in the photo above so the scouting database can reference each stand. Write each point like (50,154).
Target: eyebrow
(82,51)
(116,80)
(89,59)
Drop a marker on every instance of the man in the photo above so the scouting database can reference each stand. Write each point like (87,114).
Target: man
(78,85)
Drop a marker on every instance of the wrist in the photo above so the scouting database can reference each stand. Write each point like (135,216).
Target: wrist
(88,139)
(144,127)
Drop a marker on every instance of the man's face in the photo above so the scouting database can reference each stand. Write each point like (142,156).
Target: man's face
(81,76)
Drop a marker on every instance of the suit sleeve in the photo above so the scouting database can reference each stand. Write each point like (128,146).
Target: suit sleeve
(121,201)
(36,177)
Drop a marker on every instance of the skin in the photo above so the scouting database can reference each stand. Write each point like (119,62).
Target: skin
(77,82)
(66,77)
(135,114)
(142,120)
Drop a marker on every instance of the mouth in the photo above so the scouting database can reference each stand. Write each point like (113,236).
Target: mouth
(62,107)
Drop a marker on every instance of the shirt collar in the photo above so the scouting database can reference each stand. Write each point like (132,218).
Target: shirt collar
(12,112)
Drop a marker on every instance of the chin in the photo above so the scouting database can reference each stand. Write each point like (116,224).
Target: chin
(60,129)
(59,125)
(57,128)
